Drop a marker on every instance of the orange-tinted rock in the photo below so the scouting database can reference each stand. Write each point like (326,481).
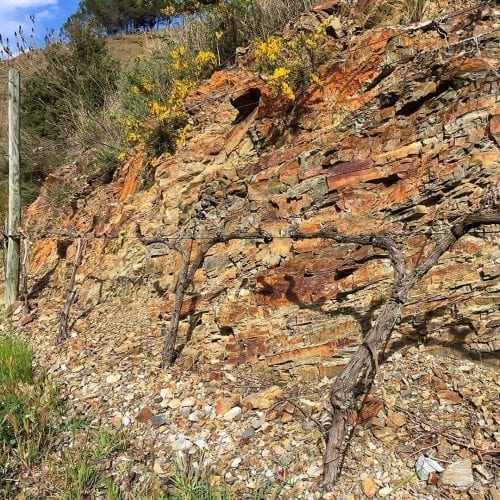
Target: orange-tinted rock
(382,147)
(134,168)
(144,415)
(495,128)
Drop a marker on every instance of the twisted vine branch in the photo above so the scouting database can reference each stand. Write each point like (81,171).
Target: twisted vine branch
(364,362)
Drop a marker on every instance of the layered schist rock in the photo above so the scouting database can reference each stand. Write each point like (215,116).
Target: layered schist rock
(402,138)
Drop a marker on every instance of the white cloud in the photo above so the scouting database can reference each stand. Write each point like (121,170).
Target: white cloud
(16,13)
(45,14)
(7,5)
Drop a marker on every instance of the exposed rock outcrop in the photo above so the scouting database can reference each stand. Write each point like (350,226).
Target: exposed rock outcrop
(402,138)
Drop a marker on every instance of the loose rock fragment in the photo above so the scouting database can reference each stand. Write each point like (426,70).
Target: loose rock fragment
(369,487)
(424,466)
(459,475)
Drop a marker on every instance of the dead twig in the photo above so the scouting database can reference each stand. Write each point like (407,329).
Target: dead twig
(71,295)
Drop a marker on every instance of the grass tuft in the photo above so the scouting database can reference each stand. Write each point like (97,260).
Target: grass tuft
(16,362)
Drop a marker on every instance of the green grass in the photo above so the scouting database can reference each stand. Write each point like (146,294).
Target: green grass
(44,454)
(190,480)
(35,432)
(28,406)
(16,362)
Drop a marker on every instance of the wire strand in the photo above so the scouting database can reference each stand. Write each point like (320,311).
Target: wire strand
(46,235)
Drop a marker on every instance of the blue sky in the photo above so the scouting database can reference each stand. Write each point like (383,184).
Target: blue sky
(49,14)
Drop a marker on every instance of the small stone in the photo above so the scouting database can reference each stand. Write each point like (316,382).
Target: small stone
(395,419)
(144,415)
(125,420)
(308,424)
(449,397)
(232,414)
(385,491)
(483,471)
(181,444)
(117,421)
(201,443)
(314,471)
(235,463)
(433,479)
(174,404)
(27,318)
(425,466)
(157,468)
(187,403)
(167,393)
(257,423)
(111,379)
(263,400)
(459,475)
(158,421)
(194,417)
(207,410)
(369,487)
(248,433)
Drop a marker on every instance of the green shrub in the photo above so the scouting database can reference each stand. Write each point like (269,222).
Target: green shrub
(225,26)
(62,100)
(152,93)
(190,480)
(77,72)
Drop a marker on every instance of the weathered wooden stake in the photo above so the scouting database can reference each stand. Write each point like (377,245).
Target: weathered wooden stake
(14,218)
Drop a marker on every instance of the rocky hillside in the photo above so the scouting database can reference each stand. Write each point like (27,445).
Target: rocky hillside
(400,138)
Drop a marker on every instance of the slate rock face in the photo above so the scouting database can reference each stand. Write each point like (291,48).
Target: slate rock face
(401,139)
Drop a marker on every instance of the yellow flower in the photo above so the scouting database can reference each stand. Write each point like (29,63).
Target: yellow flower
(268,50)
(179,65)
(146,85)
(219,34)
(168,11)
(121,156)
(316,80)
(280,73)
(183,135)
(133,137)
(311,43)
(160,112)
(179,92)
(135,89)
(287,91)
(178,52)
(205,59)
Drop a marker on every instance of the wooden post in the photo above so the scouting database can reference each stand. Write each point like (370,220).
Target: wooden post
(14,219)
